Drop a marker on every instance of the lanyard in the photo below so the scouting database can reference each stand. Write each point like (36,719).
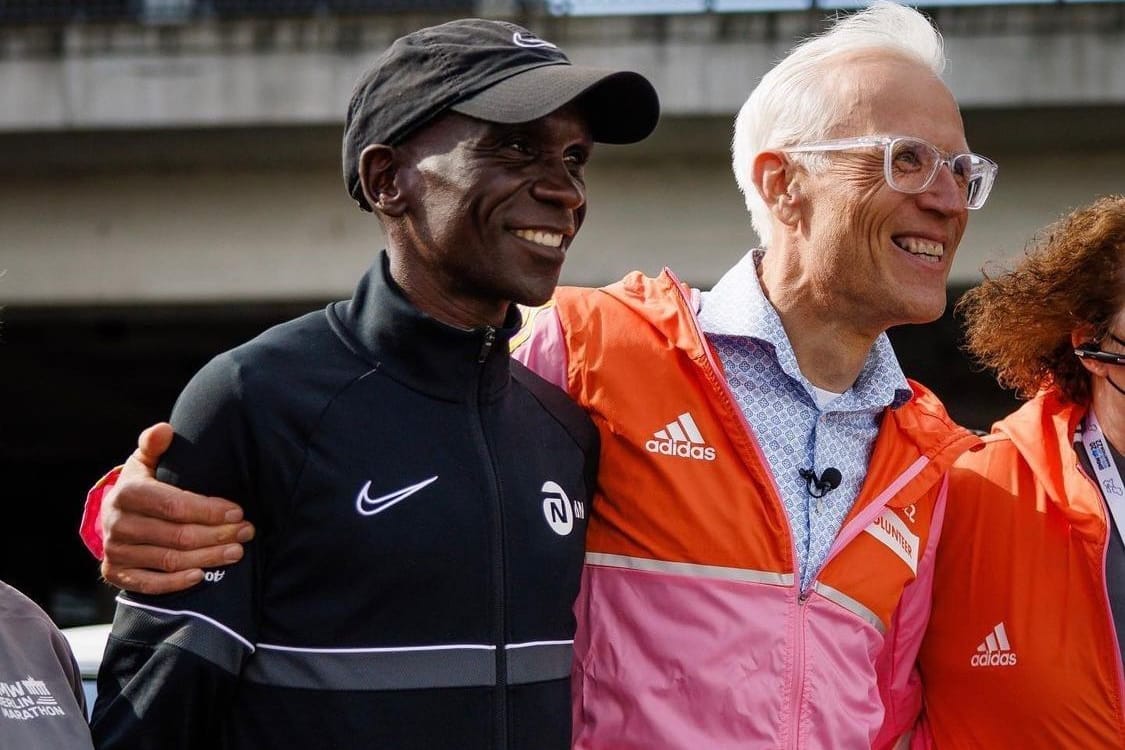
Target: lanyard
(1106,471)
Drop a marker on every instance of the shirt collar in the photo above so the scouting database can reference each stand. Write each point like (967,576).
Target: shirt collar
(736,306)
(380,325)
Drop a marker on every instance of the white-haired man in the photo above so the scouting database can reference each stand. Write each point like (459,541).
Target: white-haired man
(758,566)
(772,487)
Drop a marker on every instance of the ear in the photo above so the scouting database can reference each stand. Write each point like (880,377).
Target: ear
(774,177)
(1084,334)
(378,172)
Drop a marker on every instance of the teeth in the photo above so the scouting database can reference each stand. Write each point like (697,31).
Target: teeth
(922,248)
(539,237)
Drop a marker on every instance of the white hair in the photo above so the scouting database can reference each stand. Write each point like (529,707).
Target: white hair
(792,104)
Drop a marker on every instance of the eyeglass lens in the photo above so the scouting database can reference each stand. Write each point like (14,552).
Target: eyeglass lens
(914,163)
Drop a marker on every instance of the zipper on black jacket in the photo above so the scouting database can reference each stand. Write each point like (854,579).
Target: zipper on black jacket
(500,713)
(486,346)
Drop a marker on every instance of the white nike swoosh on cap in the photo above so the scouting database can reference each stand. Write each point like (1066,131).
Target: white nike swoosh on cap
(531,41)
(369,506)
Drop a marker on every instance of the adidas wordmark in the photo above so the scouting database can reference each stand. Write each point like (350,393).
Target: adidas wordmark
(996,651)
(681,437)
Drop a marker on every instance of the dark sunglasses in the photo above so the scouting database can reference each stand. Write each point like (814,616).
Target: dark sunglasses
(1091,350)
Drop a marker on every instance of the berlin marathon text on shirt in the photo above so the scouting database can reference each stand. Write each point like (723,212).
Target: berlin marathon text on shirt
(27,699)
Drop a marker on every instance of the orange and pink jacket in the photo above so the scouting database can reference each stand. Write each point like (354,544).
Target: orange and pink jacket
(692,631)
(1021,650)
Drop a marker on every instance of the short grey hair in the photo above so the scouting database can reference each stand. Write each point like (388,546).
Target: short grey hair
(791,105)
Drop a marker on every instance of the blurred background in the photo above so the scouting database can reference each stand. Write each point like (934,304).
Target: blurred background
(170,186)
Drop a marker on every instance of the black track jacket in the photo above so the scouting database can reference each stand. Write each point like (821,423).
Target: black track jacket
(420,502)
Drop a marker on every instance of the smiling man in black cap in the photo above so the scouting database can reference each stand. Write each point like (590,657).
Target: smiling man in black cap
(420,499)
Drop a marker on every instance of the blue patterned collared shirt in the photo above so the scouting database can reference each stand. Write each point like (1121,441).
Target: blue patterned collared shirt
(780,407)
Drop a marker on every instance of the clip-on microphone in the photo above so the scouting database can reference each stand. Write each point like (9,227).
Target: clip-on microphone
(829,480)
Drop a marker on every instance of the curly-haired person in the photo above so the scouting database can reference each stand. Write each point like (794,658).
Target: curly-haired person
(1024,647)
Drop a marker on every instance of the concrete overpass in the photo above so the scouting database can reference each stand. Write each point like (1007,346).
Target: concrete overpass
(197,159)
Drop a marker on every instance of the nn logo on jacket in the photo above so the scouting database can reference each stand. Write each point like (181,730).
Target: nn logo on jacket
(681,437)
(996,651)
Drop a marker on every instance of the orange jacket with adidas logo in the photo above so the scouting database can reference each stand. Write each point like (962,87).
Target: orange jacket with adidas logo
(691,630)
(1021,651)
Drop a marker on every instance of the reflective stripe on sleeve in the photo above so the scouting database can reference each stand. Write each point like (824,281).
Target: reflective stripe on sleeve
(185,629)
(405,668)
(742,575)
(850,604)
(539,661)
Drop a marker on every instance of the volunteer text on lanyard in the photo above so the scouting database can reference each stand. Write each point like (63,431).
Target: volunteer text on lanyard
(1106,471)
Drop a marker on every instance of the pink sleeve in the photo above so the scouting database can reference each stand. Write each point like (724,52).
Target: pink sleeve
(901,683)
(91,528)
(540,344)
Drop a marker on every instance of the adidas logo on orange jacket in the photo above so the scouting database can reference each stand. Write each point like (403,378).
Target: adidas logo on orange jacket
(1022,563)
(995,651)
(681,438)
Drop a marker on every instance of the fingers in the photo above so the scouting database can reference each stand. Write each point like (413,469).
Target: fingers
(130,529)
(150,582)
(158,537)
(175,560)
(145,496)
(156,559)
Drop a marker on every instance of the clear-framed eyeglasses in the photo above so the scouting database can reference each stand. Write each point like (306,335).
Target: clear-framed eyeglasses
(910,165)
(1093,350)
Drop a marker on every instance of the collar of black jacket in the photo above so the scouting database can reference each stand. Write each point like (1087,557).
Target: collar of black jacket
(381,326)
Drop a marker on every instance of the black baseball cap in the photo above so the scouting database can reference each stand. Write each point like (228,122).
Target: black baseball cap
(491,70)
